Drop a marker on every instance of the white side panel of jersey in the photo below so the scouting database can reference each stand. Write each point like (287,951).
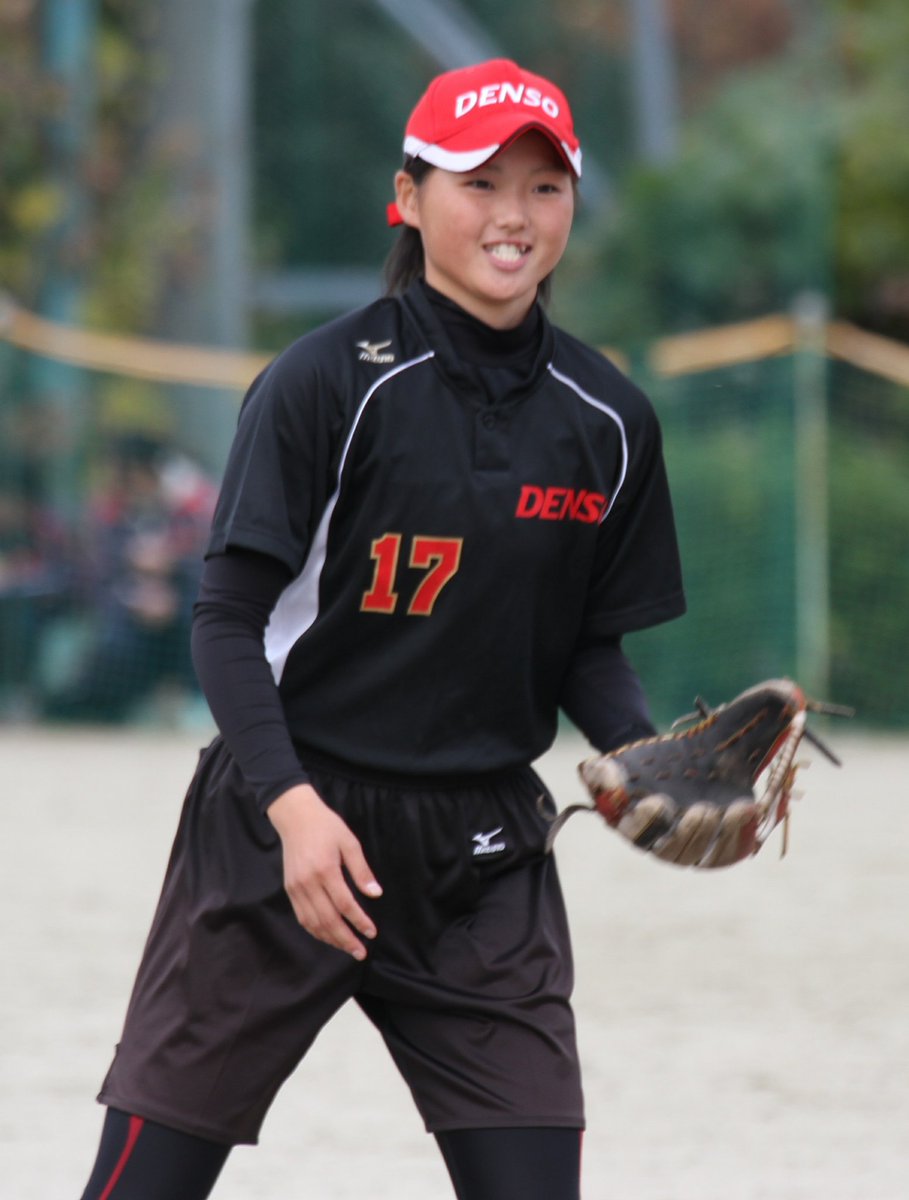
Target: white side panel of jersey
(611,413)
(298,605)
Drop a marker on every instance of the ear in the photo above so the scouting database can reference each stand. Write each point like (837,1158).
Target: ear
(406,198)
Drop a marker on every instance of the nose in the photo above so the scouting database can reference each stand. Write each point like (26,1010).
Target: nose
(511,212)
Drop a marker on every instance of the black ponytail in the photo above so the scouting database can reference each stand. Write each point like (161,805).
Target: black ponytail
(405,263)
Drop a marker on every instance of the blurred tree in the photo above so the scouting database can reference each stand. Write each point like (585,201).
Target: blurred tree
(793,170)
(872,228)
(793,174)
(735,227)
(124,226)
(141,234)
(30,203)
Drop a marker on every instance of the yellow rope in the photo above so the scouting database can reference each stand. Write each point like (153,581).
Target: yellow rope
(870,351)
(142,358)
(209,366)
(708,349)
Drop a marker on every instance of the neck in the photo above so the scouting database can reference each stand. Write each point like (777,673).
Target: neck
(478,342)
(494,316)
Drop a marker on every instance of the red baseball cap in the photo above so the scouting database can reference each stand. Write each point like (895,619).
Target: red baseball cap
(468,115)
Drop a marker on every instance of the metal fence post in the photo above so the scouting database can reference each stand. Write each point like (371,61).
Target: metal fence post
(811,489)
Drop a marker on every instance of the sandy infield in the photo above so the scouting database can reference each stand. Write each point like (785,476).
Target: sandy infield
(745,1033)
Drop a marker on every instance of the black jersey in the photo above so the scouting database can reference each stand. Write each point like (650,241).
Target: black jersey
(450,545)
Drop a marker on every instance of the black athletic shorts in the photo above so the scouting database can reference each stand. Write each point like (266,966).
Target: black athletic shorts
(468,980)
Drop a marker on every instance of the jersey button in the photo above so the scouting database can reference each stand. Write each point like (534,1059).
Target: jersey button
(489,420)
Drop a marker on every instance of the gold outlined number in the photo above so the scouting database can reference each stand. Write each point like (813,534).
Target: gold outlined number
(439,557)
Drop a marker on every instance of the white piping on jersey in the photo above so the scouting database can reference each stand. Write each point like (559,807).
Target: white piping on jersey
(298,604)
(610,412)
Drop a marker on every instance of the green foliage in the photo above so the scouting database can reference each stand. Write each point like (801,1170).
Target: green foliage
(734,228)
(793,172)
(133,225)
(792,175)
(29,203)
(869,535)
(729,450)
(728,445)
(96,211)
(872,232)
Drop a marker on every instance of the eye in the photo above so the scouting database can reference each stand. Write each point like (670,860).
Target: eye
(483,185)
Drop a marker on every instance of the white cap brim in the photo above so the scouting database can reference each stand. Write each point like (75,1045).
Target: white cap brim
(469,160)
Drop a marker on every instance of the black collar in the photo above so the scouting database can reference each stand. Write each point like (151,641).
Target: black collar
(484,364)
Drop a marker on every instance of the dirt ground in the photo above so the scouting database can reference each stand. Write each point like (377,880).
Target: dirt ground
(745,1033)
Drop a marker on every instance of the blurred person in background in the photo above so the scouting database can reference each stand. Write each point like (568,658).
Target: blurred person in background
(36,580)
(141,546)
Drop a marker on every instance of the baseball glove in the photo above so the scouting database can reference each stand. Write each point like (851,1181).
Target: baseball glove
(689,796)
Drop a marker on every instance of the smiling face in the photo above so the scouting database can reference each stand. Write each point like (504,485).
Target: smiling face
(491,235)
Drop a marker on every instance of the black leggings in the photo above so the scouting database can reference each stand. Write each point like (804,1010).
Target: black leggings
(513,1164)
(139,1160)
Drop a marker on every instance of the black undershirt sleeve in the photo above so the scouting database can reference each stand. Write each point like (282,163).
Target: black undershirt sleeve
(238,591)
(604,697)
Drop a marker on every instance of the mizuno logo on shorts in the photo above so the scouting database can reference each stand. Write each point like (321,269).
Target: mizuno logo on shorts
(485,845)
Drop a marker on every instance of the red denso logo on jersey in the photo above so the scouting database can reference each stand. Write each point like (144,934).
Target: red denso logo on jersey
(561,504)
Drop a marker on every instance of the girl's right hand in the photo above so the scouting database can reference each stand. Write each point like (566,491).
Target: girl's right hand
(318,847)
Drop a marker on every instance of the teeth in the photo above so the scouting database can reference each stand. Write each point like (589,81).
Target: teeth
(507,251)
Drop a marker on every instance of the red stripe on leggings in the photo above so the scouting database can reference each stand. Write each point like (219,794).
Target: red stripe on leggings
(135,1128)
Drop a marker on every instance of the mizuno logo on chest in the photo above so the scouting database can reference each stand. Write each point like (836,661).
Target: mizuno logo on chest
(561,504)
(374,352)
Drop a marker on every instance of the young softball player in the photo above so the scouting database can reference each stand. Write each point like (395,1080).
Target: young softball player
(439,517)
